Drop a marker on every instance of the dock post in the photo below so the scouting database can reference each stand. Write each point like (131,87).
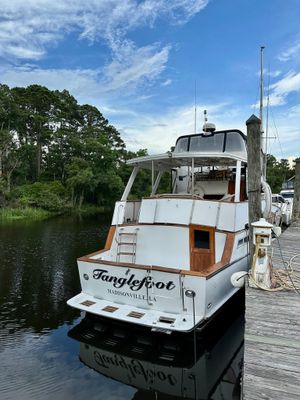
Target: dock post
(296,202)
(254,175)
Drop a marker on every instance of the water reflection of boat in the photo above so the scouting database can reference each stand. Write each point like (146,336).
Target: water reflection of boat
(162,366)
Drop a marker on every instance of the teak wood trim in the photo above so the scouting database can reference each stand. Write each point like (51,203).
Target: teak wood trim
(199,258)
(225,260)
(134,266)
(153,224)
(110,236)
(92,254)
(207,274)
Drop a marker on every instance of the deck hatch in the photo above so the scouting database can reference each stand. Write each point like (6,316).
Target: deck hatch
(87,303)
(135,314)
(166,320)
(110,309)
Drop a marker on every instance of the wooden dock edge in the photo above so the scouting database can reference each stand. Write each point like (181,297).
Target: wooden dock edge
(272,334)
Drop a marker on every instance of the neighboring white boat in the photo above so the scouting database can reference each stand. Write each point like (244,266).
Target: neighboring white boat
(168,258)
(287,191)
(284,209)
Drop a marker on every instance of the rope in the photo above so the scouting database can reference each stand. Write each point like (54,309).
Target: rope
(285,279)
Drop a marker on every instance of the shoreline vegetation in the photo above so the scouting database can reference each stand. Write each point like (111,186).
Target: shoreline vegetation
(58,157)
(38,214)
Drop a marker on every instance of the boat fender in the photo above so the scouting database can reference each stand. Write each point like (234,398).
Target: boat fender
(199,190)
(238,279)
(277,230)
(268,197)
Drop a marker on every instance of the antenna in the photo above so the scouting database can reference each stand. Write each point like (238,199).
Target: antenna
(208,128)
(261,105)
(267,116)
(195,116)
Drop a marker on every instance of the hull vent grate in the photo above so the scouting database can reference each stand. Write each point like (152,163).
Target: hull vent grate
(110,309)
(135,314)
(88,303)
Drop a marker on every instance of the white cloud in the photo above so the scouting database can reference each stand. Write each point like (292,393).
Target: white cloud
(294,111)
(27,29)
(272,74)
(290,52)
(83,84)
(135,65)
(290,83)
(167,82)
(280,90)
(34,24)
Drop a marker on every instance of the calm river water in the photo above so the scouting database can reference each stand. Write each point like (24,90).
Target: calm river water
(50,351)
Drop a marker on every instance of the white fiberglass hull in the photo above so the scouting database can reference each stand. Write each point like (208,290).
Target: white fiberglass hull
(154,298)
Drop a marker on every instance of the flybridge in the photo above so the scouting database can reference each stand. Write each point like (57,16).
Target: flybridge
(218,148)
(233,142)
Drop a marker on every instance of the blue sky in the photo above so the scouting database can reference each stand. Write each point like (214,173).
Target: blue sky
(138,62)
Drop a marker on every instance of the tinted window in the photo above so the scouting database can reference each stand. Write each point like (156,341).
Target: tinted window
(201,239)
(207,144)
(235,143)
(182,145)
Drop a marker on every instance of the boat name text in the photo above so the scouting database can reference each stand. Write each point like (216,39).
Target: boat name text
(134,284)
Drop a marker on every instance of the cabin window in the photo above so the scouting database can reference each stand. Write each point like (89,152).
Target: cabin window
(182,145)
(201,239)
(240,242)
(208,144)
(235,143)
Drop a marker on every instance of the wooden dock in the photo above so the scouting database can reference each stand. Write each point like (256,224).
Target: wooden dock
(272,334)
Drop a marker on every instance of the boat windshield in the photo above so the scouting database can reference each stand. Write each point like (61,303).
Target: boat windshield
(207,144)
(219,142)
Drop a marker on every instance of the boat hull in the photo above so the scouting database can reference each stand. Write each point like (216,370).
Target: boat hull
(176,300)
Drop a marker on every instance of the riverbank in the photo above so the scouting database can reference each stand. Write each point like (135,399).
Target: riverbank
(31,213)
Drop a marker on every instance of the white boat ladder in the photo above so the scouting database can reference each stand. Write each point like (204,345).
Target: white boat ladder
(127,244)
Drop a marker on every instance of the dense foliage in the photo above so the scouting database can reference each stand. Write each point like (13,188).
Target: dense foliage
(277,172)
(55,153)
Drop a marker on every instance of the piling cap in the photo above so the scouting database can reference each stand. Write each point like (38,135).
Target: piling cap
(253,120)
(262,223)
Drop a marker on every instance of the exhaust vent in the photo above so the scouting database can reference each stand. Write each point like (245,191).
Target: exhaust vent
(110,309)
(135,314)
(88,303)
(166,320)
